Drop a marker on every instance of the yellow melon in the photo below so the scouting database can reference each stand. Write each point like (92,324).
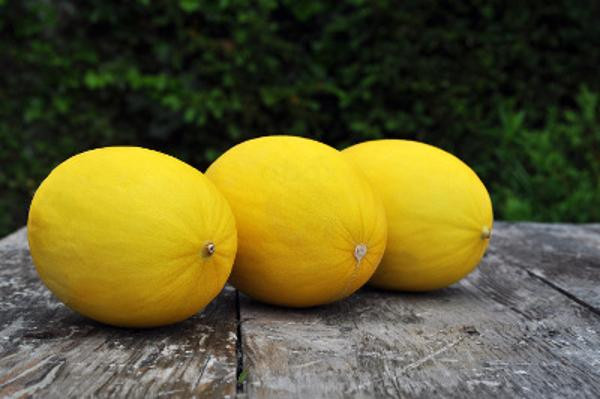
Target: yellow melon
(439,213)
(311,230)
(131,237)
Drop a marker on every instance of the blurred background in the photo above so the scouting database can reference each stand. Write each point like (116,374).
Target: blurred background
(512,88)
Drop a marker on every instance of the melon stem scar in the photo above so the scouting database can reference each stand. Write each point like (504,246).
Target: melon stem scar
(360,251)
(486,233)
(209,248)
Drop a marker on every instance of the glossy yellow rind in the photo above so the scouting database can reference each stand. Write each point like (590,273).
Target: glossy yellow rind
(301,210)
(437,208)
(119,234)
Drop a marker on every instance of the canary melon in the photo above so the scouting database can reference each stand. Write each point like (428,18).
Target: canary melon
(131,237)
(311,229)
(439,213)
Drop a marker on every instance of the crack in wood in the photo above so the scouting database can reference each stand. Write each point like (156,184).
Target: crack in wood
(566,256)
(549,283)
(240,385)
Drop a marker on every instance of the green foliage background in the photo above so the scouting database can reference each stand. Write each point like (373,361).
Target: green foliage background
(510,87)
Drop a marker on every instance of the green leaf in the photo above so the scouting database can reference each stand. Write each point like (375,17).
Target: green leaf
(172,101)
(34,110)
(189,6)
(242,377)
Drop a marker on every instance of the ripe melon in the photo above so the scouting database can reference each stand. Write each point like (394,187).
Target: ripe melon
(131,237)
(439,213)
(311,230)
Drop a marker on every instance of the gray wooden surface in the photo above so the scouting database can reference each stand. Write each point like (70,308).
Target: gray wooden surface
(48,351)
(525,324)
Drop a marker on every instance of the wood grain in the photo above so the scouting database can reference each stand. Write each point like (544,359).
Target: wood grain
(502,332)
(48,351)
(525,324)
(565,256)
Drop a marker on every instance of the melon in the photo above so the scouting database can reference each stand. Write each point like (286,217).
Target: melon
(311,230)
(439,213)
(131,237)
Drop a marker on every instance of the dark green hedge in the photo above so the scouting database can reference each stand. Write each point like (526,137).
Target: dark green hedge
(510,87)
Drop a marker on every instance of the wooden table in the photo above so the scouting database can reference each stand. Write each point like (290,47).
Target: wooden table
(525,324)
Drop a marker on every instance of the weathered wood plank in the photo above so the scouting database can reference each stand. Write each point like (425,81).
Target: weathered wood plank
(16,240)
(566,256)
(500,333)
(48,351)
(505,331)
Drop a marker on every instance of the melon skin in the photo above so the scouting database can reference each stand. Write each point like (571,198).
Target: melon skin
(311,230)
(439,213)
(120,235)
